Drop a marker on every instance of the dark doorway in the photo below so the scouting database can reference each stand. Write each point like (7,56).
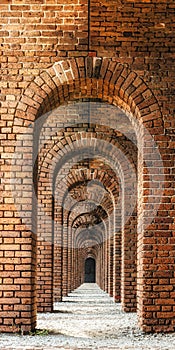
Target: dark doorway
(90,270)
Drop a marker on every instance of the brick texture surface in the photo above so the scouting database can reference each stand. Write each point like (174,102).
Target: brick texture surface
(56,54)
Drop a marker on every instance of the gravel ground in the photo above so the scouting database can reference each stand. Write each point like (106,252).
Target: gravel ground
(88,319)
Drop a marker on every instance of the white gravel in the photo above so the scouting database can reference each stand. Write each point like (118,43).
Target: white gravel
(88,319)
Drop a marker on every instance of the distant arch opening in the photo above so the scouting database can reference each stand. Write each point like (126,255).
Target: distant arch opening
(90,270)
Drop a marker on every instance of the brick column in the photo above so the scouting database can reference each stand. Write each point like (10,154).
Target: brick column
(156,264)
(129,265)
(18,235)
(57,252)
(65,258)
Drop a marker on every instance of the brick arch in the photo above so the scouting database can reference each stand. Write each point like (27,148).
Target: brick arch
(113,83)
(56,154)
(55,147)
(45,167)
(86,219)
(76,180)
(106,202)
(48,160)
(99,216)
(68,277)
(93,253)
(96,77)
(97,210)
(94,219)
(97,239)
(79,177)
(100,249)
(61,189)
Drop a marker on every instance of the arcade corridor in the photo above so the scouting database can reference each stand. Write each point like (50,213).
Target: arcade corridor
(87,152)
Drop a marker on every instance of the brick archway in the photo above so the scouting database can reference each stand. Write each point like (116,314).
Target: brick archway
(70,80)
(52,156)
(92,77)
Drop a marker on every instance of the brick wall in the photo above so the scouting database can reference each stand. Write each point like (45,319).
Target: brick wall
(137,37)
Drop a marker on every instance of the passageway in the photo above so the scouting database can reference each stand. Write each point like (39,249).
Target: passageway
(87,139)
